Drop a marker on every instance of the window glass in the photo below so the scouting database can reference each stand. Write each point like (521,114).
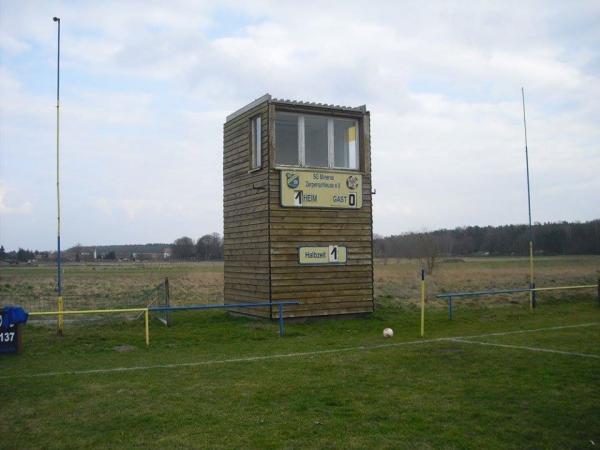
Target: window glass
(286,138)
(315,141)
(345,143)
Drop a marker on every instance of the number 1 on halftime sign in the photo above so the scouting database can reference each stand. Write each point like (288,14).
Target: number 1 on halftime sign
(298,198)
(334,253)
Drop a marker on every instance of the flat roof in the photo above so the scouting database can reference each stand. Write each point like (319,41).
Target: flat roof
(286,102)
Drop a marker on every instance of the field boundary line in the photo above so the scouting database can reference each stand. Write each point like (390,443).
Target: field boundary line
(530,330)
(287,355)
(523,347)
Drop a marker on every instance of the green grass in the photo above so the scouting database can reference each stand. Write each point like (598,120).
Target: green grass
(434,394)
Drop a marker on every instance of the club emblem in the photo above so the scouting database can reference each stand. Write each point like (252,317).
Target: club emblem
(293,180)
(352,182)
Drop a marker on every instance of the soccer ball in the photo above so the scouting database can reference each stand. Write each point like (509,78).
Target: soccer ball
(388,332)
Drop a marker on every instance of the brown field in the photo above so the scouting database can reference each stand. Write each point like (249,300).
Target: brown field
(396,280)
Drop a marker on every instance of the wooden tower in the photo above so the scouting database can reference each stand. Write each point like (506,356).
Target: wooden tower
(297,208)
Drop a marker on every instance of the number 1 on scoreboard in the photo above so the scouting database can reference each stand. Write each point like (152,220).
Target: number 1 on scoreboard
(298,198)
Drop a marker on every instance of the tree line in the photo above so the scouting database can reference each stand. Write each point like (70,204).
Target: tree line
(208,247)
(21,255)
(205,248)
(551,238)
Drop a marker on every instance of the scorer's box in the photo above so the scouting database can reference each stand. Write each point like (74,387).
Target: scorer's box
(297,208)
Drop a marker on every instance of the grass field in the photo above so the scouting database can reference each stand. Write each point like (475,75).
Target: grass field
(498,376)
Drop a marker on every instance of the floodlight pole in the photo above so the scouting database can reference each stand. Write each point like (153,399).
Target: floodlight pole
(531,279)
(59,302)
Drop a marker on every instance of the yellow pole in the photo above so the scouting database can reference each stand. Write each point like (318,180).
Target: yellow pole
(60,317)
(147,327)
(422,302)
(531,274)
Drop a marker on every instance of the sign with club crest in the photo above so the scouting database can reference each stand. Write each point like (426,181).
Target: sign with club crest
(319,189)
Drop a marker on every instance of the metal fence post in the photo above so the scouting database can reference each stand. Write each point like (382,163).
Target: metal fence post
(533,296)
(598,291)
(281,329)
(450,308)
(167,302)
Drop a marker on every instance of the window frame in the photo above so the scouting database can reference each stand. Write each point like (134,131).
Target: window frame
(330,142)
(255,143)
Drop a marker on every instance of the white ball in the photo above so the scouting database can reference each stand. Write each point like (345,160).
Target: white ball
(388,332)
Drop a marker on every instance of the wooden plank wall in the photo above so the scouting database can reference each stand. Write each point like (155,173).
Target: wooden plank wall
(246,215)
(322,290)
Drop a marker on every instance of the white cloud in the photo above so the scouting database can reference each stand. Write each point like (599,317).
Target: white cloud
(147,86)
(11,204)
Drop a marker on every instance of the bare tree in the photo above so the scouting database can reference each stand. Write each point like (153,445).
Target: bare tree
(183,248)
(210,246)
(433,245)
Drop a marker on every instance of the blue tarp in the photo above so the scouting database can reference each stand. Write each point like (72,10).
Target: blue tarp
(12,315)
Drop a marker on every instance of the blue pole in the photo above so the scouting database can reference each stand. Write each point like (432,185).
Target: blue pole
(281,329)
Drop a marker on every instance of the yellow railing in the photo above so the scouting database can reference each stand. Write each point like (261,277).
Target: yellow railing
(558,288)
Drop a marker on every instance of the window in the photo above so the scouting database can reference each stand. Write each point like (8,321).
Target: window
(286,136)
(255,143)
(316,141)
(345,143)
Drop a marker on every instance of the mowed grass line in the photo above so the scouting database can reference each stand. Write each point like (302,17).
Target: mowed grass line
(574,340)
(437,394)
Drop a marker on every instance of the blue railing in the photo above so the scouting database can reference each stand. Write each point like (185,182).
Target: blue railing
(448,296)
(280,306)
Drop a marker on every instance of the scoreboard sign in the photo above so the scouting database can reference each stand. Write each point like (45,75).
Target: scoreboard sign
(318,189)
(332,254)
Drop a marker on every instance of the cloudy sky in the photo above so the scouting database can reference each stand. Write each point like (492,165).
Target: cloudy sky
(146,87)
